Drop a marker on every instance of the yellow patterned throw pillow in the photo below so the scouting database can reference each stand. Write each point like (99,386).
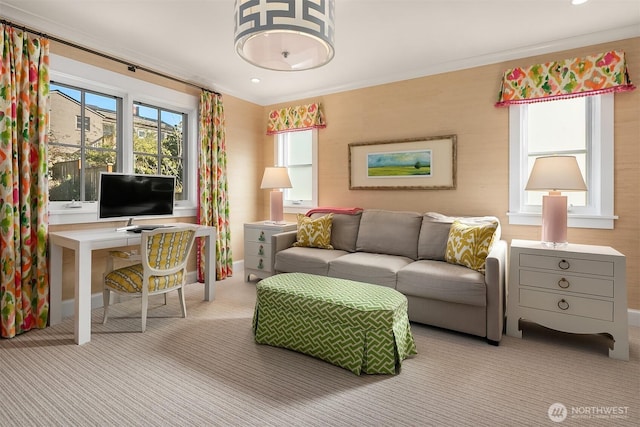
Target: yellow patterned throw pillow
(314,233)
(469,244)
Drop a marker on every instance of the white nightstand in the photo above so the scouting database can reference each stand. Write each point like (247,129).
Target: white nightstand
(257,246)
(574,288)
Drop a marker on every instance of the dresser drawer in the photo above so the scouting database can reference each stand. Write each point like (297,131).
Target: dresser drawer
(575,265)
(257,249)
(567,304)
(564,282)
(257,263)
(258,235)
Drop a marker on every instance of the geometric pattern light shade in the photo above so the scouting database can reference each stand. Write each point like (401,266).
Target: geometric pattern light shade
(285,35)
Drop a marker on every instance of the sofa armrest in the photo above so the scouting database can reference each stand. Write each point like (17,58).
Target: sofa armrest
(280,242)
(495,278)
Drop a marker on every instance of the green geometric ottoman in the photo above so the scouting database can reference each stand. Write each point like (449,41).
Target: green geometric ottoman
(358,326)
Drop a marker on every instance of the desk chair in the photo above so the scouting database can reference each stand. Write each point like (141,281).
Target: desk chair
(164,254)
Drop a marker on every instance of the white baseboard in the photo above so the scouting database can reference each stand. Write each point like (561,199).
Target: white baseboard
(238,266)
(68,308)
(96,299)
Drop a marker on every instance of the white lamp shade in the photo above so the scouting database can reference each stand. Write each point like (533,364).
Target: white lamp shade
(285,36)
(275,177)
(556,173)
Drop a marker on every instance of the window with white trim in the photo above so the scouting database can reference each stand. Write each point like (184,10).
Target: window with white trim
(76,157)
(298,152)
(118,106)
(580,127)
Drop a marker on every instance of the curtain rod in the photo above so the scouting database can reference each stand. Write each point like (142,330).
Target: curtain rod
(131,67)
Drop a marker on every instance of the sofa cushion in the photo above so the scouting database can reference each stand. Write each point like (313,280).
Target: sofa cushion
(443,281)
(379,269)
(469,244)
(432,242)
(388,232)
(314,233)
(305,260)
(344,230)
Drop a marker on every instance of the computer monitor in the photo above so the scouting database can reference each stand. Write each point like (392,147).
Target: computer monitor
(127,196)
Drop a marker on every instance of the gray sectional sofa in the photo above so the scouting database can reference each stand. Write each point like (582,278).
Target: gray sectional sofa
(406,251)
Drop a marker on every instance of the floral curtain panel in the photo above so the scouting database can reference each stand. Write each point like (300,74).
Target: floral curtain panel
(301,117)
(24,116)
(213,209)
(590,75)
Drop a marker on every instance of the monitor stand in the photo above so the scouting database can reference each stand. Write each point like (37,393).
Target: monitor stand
(129,226)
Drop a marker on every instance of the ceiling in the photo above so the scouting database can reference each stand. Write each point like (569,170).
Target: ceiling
(376,41)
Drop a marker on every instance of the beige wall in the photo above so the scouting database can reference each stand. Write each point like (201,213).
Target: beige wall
(462,103)
(458,103)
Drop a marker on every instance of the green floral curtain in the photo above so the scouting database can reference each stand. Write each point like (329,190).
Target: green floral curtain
(24,116)
(213,207)
(295,118)
(591,75)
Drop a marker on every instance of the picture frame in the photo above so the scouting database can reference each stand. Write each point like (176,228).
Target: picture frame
(427,163)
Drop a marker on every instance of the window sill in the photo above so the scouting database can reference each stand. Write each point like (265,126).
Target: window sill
(297,209)
(88,213)
(573,220)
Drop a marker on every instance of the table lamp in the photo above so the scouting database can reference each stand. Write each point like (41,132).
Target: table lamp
(555,174)
(275,178)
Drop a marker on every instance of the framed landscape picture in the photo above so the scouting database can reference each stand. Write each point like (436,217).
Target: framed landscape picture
(411,164)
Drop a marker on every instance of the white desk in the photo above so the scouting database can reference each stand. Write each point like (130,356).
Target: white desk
(83,243)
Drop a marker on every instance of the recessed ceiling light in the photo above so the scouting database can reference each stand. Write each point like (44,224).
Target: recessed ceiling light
(577,2)
(255,80)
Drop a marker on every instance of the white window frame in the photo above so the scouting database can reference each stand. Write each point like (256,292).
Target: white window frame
(600,175)
(68,71)
(291,206)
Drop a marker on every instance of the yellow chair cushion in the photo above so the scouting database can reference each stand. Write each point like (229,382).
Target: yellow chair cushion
(470,244)
(314,233)
(129,280)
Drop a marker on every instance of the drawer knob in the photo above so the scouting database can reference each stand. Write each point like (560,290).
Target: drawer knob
(563,283)
(260,264)
(261,250)
(262,238)
(563,304)
(564,264)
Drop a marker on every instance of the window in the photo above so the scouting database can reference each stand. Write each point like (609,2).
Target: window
(77,156)
(128,126)
(581,127)
(87,123)
(158,143)
(298,152)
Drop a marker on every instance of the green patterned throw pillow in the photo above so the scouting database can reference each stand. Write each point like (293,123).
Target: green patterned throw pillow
(314,233)
(469,244)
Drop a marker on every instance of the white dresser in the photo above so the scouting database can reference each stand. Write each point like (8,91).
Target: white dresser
(574,288)
(257,246)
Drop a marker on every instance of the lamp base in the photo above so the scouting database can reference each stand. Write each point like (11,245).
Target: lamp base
(555,244)
(554,220)
(276,215)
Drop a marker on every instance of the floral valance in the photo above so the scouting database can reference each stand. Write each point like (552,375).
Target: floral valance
(590,75)
(295,118)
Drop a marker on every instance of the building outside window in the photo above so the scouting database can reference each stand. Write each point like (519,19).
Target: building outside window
(160,150)
(77,154)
